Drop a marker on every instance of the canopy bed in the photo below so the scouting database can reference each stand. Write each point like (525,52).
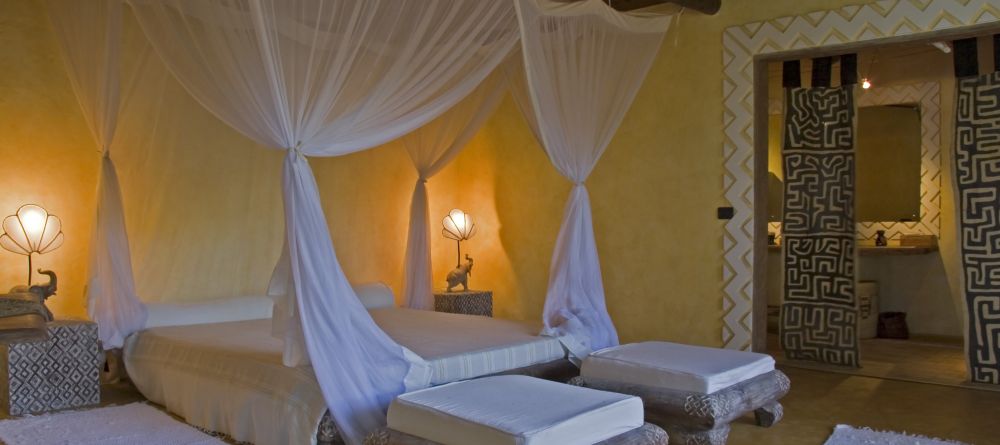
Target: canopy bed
(328,78)
(222,370)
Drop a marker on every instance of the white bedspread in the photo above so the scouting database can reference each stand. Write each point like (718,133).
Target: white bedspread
(460,347)
(228,377)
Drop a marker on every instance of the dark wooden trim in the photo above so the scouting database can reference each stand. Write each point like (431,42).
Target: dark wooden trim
(561,370)
(709,7)
(758,337)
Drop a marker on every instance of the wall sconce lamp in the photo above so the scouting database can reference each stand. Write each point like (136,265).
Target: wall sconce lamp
(31,230)
(458,226)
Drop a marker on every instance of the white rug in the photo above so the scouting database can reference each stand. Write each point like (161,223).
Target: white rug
(136,423)
(849,435)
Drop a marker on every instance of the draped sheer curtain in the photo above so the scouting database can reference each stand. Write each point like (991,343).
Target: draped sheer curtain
(431,147)
(583,64)
(321,78)
(90,37)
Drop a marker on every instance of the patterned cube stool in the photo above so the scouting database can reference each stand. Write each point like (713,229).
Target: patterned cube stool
(690,391)
(58,373)
(515,410)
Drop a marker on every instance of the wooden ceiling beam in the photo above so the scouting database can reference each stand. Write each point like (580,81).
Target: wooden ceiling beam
(709,7)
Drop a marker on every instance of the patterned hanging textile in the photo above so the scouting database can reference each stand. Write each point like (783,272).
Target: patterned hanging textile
(819,316)
(977,182)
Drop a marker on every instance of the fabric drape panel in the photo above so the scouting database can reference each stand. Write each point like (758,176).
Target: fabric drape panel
(977,188)
(431,147)
(819,316)
(517,84)
(327,78)
(90,36)
(351,75)
(584,64)
(337,335)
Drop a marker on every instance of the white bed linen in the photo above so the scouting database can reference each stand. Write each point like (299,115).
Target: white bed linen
(229,377)
(460,347)
(211,311)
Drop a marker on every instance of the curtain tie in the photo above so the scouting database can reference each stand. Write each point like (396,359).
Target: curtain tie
(297,150)
(106,152)
(421,180)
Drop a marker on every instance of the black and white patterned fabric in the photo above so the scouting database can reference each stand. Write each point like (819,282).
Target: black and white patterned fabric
(819,317)
(58,373)
(977,173)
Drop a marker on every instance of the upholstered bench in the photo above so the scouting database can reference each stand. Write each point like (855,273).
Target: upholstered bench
(690,391)
(516,410)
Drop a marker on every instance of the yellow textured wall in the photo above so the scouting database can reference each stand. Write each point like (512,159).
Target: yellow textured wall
(47,154)
(654,193)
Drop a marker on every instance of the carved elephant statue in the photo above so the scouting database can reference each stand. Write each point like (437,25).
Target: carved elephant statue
(460,275)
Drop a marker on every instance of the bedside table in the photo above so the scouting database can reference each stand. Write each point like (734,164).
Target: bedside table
(470,302)
(60,372)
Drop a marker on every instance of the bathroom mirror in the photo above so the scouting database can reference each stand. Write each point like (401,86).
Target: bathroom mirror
(888,160)
(888,163)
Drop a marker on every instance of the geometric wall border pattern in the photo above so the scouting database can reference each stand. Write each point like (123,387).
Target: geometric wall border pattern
(928,96)
(740,44)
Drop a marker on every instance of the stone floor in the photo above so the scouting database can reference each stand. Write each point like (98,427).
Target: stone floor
(819,400)
(919,359)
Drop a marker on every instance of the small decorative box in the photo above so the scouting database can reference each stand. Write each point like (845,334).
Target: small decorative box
(469,302)
(58,373)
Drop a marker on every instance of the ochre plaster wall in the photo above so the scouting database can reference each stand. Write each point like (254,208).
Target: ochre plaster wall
(654,193)
(47,154)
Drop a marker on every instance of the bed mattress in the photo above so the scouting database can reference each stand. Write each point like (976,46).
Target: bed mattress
(460,347)
(229,377)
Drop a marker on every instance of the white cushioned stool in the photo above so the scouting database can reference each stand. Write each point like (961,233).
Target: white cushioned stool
(692,392)
(516,410)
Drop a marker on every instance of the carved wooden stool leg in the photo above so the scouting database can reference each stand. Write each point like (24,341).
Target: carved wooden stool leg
(715,436)
(769,414)
(113,368)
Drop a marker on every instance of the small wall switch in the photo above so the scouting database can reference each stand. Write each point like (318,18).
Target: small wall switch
(725,212)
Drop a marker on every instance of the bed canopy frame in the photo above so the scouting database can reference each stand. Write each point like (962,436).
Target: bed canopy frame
(327,78)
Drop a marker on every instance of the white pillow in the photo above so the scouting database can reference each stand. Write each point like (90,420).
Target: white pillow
(208,311)
(375,295)
(372,296)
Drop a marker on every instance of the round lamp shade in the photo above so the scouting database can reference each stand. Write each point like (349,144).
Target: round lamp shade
(458,226)
(31,230)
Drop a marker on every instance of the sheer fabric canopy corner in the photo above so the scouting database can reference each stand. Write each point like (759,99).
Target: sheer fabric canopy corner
(329,77)
(90,37)
(583,65)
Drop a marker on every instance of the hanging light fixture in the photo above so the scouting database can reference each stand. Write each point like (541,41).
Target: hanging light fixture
(31,230)
(458,226)
(866,81)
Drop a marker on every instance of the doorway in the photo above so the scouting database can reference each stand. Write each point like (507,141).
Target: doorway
(910,304)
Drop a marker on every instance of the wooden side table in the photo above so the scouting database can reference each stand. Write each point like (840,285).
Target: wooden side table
(470,302)
(60,372)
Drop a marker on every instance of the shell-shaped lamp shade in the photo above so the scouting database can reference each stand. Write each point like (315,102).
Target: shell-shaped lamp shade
(458,225)
(31,230)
